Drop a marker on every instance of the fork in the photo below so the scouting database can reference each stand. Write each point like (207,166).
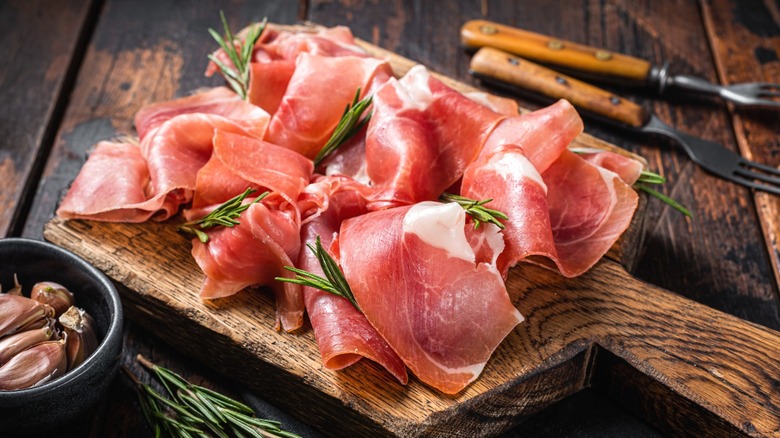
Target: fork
(504,69)
(607,66)
(754,94)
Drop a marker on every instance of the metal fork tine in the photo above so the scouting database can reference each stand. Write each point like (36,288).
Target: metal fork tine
(759,176)
(768,169)
(769,94)
(750,183)
(768,86)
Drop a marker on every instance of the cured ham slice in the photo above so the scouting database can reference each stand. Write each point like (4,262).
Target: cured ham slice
(177,142)
(343,333)
(217,101)
(590,207)
(421,137)
(176,152)
(571,214)
(516,188)
(543,134)
(331,42)
(110,186)
(268,83)
(316,96)
(627,168)
(449,312)
(239,162)
(276,44)
(253,253)
(498,104)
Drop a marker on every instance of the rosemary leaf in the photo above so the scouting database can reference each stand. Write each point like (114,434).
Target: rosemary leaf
(350,124)
(334,283)
(197,411)
(476,209)
(236,76)
(224,401)
(647,177)
(225,215)
(671,202)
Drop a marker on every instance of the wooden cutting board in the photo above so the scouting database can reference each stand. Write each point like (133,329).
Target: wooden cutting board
(687,368)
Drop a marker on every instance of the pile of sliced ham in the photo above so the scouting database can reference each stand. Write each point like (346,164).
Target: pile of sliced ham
(429,285)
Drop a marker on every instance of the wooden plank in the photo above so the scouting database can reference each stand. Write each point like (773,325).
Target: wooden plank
(745,38)
(38,44)
(717,370)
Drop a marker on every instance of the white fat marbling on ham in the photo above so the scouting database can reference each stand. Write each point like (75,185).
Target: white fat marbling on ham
(413,89)
(441,226)
(507,167)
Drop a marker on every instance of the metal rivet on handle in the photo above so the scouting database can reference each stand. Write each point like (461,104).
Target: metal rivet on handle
(513,61)
(488,30)
(554,45)
(614,100)
(561,80)
(602,55)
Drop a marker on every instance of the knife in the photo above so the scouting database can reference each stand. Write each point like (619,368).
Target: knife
(594,63)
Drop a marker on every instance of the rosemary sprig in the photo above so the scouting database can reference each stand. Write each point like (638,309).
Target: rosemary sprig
(476,209)
(348,126)
(192,410)
(225,215)
(334,283)
(647,177)
(238,75)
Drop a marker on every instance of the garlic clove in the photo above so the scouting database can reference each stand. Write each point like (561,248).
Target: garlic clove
(18,342)
(17,289)
(79,329)
(17,312)
(34,366)
(53,294)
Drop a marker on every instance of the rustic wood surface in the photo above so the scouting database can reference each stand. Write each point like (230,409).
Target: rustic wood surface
(725,257)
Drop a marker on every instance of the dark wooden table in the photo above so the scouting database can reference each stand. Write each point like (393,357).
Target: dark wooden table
(76,72)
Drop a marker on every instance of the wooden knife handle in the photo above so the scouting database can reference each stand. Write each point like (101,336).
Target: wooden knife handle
(509,69)
(549,50)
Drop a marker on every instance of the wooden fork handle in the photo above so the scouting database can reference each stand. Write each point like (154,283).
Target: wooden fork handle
(549,50)
(496,65)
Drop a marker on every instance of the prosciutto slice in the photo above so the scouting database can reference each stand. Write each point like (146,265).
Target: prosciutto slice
(516,188)
(543,134)
(343,333)
(421,137)
(176,152)
(110,186)
(219,101)
(449,310)
(239,162)
(590,207)
(627,168)
(155,177)
(253,253)
(268,83)
(316,96)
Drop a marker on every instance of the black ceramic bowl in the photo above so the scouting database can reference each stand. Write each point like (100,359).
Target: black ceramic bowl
(45,407)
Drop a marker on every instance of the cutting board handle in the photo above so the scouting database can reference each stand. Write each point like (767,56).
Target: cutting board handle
(681,365)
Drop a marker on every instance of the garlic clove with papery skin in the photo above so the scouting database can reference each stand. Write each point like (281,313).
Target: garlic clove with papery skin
(34,366)
(18,312)
(53,294)
(11,345)
(80,330)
